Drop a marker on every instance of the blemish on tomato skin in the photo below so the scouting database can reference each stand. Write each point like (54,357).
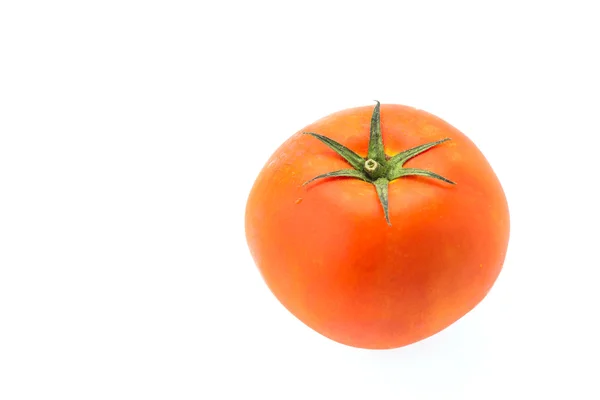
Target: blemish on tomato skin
(299,200)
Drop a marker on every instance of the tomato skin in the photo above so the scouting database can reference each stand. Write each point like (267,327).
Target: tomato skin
(328,255)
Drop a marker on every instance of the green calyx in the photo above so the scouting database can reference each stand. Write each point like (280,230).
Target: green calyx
(377,168)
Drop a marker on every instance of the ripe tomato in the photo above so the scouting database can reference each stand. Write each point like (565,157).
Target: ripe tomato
(393,246)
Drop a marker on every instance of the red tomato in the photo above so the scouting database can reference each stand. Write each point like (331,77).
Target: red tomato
(393,246)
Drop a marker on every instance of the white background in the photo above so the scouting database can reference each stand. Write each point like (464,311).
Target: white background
(131,133)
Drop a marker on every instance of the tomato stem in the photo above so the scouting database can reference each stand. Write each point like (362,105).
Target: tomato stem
(377,168)
(371,166)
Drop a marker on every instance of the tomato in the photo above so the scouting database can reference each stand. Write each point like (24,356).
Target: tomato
(405,240)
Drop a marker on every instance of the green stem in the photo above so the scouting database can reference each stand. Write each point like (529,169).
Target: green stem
(377,169)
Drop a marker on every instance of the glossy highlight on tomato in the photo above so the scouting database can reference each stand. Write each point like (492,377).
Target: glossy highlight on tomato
(378,226)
